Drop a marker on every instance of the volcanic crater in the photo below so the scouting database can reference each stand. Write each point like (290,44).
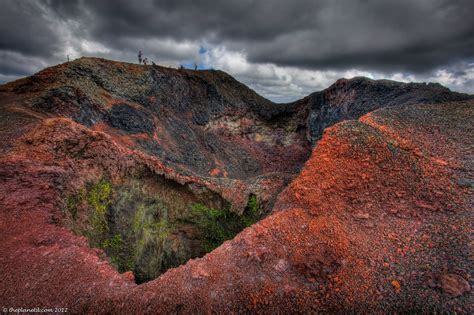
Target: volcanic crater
(114,174)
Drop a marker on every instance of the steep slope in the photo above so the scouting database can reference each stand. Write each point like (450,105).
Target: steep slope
(155,166)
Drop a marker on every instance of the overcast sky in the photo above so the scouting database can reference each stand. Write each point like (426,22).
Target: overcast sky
(283,49)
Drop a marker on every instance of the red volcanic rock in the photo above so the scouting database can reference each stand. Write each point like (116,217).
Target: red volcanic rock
(454,285)
(129,276)
(379,207)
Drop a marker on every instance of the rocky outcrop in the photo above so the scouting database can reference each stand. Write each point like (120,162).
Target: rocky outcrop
(351,99)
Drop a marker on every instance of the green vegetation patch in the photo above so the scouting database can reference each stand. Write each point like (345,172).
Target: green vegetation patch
(219,225)
(99,198)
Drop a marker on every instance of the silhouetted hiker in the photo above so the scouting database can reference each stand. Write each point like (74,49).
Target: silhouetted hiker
(145,61)
(181,67)
(195,67)
(140,57)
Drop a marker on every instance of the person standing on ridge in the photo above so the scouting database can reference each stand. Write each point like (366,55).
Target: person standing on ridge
(145,61)
(140,57)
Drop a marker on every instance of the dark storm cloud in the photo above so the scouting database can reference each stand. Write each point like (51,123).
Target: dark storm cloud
(224,20)
(379,35)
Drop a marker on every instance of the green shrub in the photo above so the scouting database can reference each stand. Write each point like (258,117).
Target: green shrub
(252,212)
(114,243)
(99,199)
(219,225)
